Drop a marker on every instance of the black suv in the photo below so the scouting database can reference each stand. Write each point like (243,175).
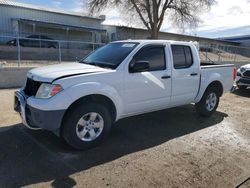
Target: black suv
(40,41)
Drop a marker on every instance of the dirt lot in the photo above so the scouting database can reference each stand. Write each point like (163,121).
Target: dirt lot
(170,148)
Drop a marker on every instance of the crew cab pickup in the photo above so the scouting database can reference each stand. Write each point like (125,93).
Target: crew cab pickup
(80,101)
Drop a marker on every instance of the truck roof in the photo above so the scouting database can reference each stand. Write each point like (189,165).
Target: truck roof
(148,41)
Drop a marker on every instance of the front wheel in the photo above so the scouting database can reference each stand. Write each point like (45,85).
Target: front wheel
(86,125)
(208,103)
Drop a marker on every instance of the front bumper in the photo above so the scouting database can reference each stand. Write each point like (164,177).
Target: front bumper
(243,81)
(34,118)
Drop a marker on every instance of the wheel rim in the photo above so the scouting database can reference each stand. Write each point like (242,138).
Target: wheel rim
(211,101)
(89,126)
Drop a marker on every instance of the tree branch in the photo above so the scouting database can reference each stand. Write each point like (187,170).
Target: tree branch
(140,14)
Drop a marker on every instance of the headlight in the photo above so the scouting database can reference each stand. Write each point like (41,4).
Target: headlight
(48,90)
(242,69)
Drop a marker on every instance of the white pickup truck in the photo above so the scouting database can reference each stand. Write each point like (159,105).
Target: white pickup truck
(80,101)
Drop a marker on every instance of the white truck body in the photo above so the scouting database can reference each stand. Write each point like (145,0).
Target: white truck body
(130,93)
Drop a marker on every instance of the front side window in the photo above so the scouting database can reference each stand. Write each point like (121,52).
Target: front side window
(182,56)
(154,55)
(110,55)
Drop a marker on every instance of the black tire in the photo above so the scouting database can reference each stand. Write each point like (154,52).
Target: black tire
(52,46)
(11,45)
(201,107)
(68,131)
(241,87)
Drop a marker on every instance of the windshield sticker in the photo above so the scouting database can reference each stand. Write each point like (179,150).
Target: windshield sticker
(128,45)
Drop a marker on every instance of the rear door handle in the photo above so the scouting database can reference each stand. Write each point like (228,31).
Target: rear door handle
(194,74)
(165,77)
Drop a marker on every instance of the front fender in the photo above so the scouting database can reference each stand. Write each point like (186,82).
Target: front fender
(92,88)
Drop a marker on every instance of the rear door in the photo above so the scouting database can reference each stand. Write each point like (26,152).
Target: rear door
(185,74)
(150,89)
(32,41)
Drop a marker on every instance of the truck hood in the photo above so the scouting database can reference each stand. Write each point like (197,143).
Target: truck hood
(53,72)
(247,66)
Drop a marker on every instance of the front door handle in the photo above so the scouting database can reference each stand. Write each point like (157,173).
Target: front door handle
(193,74)
(165,77)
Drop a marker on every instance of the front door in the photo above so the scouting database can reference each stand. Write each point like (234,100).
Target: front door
(149,89)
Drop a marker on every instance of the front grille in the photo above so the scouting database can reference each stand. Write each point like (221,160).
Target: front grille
(244,81)
(247,73)
(31,87)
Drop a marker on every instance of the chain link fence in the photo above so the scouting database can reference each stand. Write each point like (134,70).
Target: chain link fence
(36,51)
(222,54)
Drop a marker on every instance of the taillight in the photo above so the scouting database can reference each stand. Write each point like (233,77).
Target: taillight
(235,73)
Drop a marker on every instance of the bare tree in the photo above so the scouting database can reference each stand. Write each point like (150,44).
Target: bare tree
(153,12)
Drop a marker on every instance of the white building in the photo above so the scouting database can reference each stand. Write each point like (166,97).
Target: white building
(25,19)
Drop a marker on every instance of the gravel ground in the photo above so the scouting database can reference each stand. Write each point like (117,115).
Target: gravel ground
(169,148)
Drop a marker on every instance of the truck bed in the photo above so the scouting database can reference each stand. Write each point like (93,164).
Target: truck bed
(214,65)
(222,72)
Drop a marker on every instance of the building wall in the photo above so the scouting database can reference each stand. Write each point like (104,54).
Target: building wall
(7,13)
(7,27)
(124,33)
(246,44)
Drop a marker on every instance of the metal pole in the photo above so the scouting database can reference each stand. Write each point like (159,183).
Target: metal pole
(219,57)
(18,52)
(60,54)
(218,52)
(235,55)
(206,51)
(93,40)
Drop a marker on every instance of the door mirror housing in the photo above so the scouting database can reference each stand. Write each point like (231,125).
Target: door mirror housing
(139,66)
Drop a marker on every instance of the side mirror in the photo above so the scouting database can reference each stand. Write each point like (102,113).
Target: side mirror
(139,66)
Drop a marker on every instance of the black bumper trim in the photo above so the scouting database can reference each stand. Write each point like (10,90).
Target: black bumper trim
(48,120)
(244,81)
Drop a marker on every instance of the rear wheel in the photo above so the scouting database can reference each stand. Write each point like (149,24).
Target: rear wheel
(86,125)
(208,103)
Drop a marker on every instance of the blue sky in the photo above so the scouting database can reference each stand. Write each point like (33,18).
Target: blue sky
(226,18)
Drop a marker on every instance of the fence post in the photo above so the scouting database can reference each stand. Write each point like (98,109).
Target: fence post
(206,51)
(218,57)
(18,52)
(218,52)
(235,55)
(60,54)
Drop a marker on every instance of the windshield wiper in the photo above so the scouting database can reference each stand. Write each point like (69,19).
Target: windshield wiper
(99,64)
(102,65)
(89,63)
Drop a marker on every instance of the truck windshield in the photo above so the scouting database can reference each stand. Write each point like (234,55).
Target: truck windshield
(110,55)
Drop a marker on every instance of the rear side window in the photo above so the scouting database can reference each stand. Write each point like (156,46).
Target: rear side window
(33,36)
(155,56)
(182,56)
(45,37)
